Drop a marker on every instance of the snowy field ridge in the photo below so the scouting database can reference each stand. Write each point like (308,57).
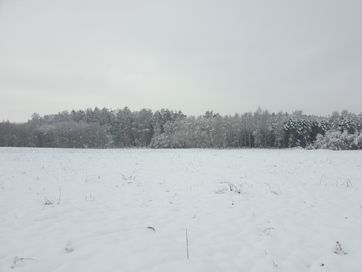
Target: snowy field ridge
(128,210)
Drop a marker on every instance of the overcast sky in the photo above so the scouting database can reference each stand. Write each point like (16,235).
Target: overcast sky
(192,55)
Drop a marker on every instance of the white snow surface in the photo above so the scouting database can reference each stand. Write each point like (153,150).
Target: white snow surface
(128,210)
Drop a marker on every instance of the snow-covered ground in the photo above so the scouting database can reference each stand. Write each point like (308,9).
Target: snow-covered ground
(128,210)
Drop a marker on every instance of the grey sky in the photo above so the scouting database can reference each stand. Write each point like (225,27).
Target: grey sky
(228,56)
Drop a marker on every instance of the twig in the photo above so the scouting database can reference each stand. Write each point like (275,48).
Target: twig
(60,195)
(321,179)
(20,259)
(151,228)
(187,246)
(47,202)
(270,189)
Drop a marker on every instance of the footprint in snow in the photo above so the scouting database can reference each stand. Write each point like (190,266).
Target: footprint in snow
(69,247)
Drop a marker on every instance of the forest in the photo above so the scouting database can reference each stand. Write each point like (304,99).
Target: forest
(123,128)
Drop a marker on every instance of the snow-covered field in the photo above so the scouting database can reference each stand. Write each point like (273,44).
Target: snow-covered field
(128,210)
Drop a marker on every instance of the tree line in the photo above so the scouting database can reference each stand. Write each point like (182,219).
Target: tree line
(105,128)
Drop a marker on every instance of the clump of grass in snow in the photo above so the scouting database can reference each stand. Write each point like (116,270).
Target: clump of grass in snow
(339,250)
(19,261)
